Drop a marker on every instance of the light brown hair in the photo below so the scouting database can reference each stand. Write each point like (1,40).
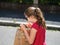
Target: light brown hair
(36,12)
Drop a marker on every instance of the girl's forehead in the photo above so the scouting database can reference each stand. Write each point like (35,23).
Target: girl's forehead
(26,16)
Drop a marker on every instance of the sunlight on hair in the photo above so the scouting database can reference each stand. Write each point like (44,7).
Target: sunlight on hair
(32,7)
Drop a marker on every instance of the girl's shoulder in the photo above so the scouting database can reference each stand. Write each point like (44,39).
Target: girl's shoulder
(35,25)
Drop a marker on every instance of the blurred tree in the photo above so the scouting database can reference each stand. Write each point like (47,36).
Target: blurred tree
(20,1)
(12,1)
(27,1)
(3,0)
(49,2)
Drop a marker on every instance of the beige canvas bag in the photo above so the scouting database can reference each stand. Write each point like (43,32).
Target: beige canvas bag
(20,38)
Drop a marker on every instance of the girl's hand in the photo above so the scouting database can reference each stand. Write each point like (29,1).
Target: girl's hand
(22,27)
(29,25)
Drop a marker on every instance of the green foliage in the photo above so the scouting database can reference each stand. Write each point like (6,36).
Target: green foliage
(27,1)
(11,1)
(49,2)
(31,1)
(59,3)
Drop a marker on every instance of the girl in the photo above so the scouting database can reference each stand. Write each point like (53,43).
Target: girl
(38,27)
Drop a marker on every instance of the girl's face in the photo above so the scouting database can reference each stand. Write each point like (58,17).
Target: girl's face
(31,19)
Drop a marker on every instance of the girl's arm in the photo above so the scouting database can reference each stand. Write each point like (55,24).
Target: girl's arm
(31,37)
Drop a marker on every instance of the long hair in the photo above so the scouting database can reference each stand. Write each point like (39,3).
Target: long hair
(37,13)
